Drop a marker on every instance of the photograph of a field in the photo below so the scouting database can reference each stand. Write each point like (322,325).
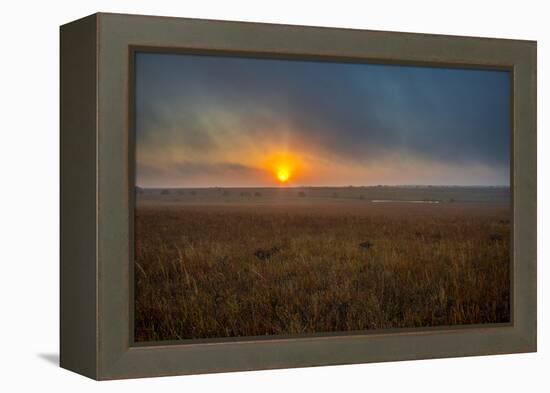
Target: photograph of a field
(252,262)
(279,197)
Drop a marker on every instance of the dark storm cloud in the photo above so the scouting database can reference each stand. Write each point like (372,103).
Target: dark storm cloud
(355,112)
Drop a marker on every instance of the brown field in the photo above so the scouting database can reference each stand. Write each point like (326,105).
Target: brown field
(221,263)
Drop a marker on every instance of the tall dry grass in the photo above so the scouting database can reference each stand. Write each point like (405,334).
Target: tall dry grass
(249,270)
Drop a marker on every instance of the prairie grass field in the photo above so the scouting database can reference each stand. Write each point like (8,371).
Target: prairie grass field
(218,262)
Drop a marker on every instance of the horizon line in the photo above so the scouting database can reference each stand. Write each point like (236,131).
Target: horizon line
(335,186)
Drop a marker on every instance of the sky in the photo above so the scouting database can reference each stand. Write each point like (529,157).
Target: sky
(219,121)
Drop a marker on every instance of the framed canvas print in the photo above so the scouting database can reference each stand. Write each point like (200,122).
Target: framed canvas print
(240,196)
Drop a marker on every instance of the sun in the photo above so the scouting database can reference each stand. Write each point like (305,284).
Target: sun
(283,174)
(284,166)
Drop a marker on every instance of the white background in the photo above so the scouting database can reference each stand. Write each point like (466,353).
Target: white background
(29,167)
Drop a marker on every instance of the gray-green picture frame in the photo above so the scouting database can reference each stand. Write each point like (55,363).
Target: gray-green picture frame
(96,143)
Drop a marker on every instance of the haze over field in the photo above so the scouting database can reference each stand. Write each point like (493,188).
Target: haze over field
(319,195)
(206,121)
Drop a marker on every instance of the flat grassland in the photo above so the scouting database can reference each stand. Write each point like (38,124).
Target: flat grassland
(221,262)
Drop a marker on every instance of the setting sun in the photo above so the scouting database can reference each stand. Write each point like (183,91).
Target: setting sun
(283,175)
(284,166)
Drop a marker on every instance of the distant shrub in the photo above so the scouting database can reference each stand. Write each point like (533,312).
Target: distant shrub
(362,197)
(266,254)
(335,195)
(366,245)
(257,194)
(193,192)
(302,194)
(181,192)
(226,193)
(165,192)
